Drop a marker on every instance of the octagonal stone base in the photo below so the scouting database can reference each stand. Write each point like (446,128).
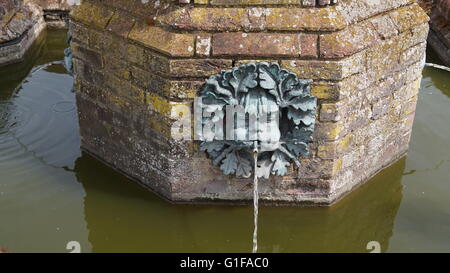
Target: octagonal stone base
(133,66)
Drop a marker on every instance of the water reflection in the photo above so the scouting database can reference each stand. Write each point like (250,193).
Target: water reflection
(39,207)
(121,216)
(45,49)
(436,78)
(368,214)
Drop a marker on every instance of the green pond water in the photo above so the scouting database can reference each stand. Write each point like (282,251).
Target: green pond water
(52,193)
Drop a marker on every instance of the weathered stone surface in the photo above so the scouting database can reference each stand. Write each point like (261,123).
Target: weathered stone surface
(362,35)
(7,9)
(205,19)
(327,70)
(256,44)
(173,44)
(140,9)
(253,2)
(347,42)
(198,67)
(313,19)
(407,17)
(255,19)
(121,24)
(90,14)
(88,55)
(329,131)
(203,45)
(385,26)
(309,45)
(326,91)
(305,3)
(55,12)
(62,5)
(13,21)
(20,25)
(365,77)
(218,19)
(354,10)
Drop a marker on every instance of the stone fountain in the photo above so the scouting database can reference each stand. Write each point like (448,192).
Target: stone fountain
(140,65)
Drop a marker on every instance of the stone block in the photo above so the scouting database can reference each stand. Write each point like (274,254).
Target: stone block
(256,44)
(89,14)
(173,44)
(121,24)
(310,19)
(349,41)
(203,45)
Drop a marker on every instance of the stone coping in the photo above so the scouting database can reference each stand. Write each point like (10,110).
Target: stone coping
(21,22)
(281,39)
(19,32)
(302,3)
(17,17)
(61,5)
(14,50)
(15,23)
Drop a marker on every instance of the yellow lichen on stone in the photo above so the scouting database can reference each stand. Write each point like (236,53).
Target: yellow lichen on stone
(118,103)
(326,151)
(329,130)
(344,143)
(324,90)
(253,2)
(92,14)
(162,106)
(311,19)
(182,89)
(409,16)
(241,62)
(205,18)
(312,69)
(162,112)
(159,105)
(173,44)
(337,166)
(158,126)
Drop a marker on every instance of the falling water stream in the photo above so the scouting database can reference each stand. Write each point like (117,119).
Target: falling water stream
(255,198)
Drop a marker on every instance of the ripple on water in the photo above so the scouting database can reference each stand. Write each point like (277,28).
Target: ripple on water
(39,127)
(64,106)
(9,116)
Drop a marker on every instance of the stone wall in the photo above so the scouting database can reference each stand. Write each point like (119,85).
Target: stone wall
(7,9)
(439,37)
(20,24)
(55,12)
(134,62)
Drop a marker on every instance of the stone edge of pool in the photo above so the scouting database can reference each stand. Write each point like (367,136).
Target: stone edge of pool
(21,23)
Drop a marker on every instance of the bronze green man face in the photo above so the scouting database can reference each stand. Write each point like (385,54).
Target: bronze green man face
(257,102)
